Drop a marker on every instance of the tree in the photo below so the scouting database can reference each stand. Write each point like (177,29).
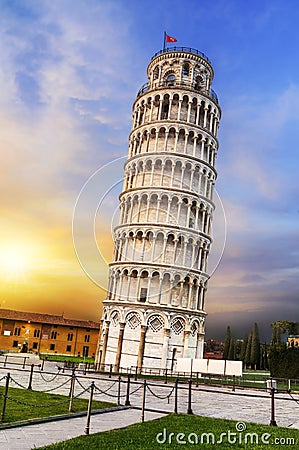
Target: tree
(247,359)
(255,348)
(228,339)
(243,348)
(232,350)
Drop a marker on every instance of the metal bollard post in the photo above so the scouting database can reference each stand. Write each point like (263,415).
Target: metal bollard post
(5,360)
(234,383)
(110,370)
(118,391)
(72,390)
(136,373)
(43,363)
(176,396)
(5,396)
(127,402)
(86,430)
(189,410)
(30,378)
(272,421)
(143,401)
(24,362)
(166,372)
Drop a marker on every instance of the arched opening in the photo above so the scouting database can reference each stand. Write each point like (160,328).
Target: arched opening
(186,69)
(170,80)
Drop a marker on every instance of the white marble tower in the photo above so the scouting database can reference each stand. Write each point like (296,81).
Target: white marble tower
(155,306)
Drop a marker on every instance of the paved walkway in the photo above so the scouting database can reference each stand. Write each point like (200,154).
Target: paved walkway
(34,436)
(241,405)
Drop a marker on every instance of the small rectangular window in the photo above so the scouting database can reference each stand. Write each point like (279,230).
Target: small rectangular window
(54,335)
(17,331)
(35,345)
(70,337)
(36,333)
(68,348)
(15,343)
(52,346)
(87,338)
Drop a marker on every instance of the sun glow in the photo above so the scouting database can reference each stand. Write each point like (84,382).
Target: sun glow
(14,261)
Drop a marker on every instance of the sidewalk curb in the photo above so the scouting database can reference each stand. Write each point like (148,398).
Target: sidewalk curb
(22,423)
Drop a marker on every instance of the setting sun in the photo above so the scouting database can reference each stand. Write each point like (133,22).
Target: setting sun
(14,261)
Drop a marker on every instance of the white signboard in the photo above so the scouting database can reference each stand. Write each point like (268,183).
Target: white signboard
(200,365)
(234,368)
(209,366)
(216,366)
(184,365)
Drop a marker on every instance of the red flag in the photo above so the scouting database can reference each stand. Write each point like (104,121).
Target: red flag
(170,39)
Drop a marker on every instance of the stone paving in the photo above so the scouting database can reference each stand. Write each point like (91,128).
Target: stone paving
(34,436)
(241,405)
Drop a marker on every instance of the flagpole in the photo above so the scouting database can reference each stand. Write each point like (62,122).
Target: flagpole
(164,43)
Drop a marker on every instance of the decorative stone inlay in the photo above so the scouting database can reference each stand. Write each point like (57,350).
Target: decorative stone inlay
(177,326)
(194,329)
(115,317)
(133,320)
(156,323)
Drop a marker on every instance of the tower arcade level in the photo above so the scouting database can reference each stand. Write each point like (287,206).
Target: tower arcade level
(155,306)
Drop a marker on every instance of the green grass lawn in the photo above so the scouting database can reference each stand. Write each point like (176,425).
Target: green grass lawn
(62,358)
(144,436)
(23,404)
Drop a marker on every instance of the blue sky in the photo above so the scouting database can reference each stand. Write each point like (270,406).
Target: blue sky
(69,73)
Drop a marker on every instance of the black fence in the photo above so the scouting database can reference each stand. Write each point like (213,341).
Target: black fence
(252,380)
(177,396)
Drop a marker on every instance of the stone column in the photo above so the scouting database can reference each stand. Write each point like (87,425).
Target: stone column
(165,348)
(179,109)
(186,343)
(211,121)
(205,117)
(199,345)
(141,348)
(119,346)
(160,109)
(99,344)
(105,342)
(176,141)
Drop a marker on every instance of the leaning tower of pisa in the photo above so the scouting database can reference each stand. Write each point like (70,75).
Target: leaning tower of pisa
(155,306)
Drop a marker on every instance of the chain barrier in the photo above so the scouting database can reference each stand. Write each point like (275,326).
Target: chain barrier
(45,379)
(108,389)
(295,400)
(136,390)
(49,405)
(18,384)
(57,387)
(106,392)
(47,390)
(3,378)
(159,396)
(79,382)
